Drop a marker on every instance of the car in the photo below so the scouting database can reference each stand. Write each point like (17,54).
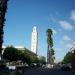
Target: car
(33,65)
(49,66)
(26,65)
(66,67)
(12,67)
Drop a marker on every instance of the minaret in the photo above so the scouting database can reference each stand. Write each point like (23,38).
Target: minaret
(34,40)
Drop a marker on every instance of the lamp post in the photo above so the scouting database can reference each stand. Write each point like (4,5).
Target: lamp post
(3,8)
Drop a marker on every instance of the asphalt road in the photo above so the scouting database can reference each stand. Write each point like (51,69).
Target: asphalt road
(45,71)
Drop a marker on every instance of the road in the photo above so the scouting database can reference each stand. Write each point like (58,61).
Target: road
(45,71)
(37,71)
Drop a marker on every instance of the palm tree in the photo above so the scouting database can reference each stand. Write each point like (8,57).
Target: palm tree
(50,45)
(3,7)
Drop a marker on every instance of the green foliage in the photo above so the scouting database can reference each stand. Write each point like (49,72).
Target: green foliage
(11,54)
(35,59)
(27,56)
(14,54)
(52,51)
(42,60)
(31,57)
(49,37)
(69,57)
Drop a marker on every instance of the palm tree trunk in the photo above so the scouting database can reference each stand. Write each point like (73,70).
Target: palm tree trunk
(49,56)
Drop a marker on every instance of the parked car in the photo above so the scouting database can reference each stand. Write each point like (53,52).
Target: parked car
(49,66)
(26,65)
(66,67)
(33,65)
(12,67)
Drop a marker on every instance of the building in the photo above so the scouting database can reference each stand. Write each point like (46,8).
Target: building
(19,47)
(34,40)
(22,48)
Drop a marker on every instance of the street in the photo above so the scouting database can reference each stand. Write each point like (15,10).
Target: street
(46,71)
(37,71)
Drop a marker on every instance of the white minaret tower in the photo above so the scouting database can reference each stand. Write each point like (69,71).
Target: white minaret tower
(34,40)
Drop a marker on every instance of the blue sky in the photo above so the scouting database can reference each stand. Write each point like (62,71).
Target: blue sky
(59,15)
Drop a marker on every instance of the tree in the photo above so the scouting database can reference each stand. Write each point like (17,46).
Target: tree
(11,54)
(42,60)
(26,56)
(32,58)
(69,57)
(50,51)
(35,59)
(3,8)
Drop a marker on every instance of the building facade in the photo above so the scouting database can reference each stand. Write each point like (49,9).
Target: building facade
(34,40)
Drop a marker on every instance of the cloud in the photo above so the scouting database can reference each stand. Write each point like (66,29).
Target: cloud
(69,46)
(65,25)
(66,38)
(72,16)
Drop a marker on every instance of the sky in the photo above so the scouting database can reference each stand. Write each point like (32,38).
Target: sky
(59,15)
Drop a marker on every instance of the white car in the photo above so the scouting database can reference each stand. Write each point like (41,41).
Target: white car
(12,67)
(49,66)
